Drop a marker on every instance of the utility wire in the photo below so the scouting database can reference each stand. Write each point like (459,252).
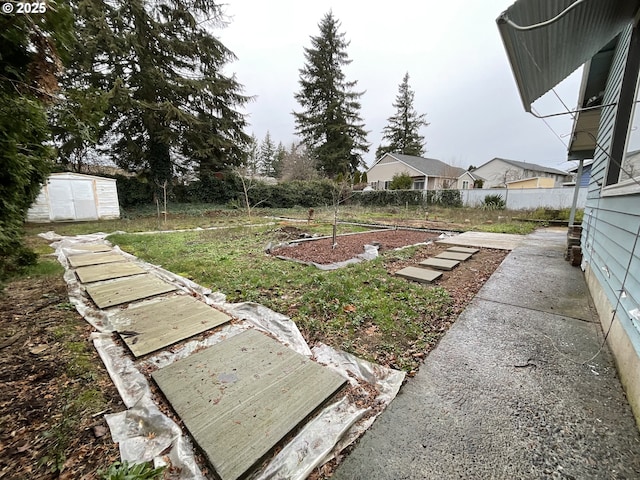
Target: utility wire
(521,28)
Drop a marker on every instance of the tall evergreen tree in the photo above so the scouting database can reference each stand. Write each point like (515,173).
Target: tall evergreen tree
(330,123)
(267,156)
(252,161)
(278,163)
(403,129)
(31,49)
(169,103)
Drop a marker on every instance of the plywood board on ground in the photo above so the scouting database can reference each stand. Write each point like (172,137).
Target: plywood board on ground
(126,290)
(83,259)
(439,263)
(501,241)
(165,321)
(107,271)
(93,247)
(461,257)
(463,250)
(422,275)
(242,396)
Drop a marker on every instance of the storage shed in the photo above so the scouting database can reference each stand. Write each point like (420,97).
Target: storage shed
(75,197)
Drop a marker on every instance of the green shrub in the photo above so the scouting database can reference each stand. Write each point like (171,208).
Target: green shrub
(493,202)
(382,198)
(450,198)
(133,191)
(401,181)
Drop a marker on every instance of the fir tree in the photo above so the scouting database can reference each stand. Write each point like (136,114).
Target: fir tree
(169,104)
(267,156)
(330,123)
(32,47)
(403,129)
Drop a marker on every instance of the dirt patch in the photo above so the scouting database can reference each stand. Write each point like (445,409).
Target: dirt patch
(52,383)
(349,246)
(465,280)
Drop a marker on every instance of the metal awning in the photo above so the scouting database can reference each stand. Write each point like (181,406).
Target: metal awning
(587,119)
(547,40)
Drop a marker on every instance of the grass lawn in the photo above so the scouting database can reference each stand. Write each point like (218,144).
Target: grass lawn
(361,309)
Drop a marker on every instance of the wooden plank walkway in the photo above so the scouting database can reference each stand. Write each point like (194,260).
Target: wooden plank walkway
(107,271)
(127,290)
(166,321)
(242,396)
(83,259)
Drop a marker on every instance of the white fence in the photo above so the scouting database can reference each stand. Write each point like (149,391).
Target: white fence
(527,198)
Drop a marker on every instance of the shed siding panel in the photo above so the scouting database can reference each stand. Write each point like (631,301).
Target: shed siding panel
(611,224)
(39,211)
(107,198)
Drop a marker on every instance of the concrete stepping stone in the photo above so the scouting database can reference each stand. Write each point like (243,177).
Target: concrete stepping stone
(417,274)
(127,290)
(83,259)
(439,263)
(107,271)
(162,322)
(239,398)
(461,257)
(463,250)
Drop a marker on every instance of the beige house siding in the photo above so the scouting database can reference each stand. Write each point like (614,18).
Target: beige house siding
(465,177)
(497,173)
(386,169)
(535,182)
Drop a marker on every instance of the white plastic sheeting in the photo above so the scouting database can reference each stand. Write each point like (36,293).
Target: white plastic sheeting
(144,433)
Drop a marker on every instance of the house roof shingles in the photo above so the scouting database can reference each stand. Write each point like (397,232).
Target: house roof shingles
(529,166)
(429,166)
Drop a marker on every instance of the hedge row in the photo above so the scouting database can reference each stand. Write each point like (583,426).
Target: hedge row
(225,189)
(381,198)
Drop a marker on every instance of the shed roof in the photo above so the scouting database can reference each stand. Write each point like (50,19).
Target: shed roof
(546,40)
(430,167)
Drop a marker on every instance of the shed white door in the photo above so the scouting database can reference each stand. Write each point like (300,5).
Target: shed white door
(84,200)
(72,200)
(61,200)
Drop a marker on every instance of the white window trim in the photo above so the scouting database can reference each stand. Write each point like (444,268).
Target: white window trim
(626,187)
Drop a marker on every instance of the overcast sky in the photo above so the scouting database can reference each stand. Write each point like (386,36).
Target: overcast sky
(456,62)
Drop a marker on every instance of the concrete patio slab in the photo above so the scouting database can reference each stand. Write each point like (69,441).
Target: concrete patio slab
(461,257)
(83,259)
(511,391)
(127,290)
(107,271)
(165,321)
(544,282)
(417,274)
(439,263)
(500,241)
(463,250)
(240,397)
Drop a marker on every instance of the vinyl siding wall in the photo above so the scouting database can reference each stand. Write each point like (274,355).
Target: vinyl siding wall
(611,251)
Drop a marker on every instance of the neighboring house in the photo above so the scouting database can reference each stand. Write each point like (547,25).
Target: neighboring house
(427,173)
(585,178)
(605,35)
(499,171)
(533,182)
(469,180)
